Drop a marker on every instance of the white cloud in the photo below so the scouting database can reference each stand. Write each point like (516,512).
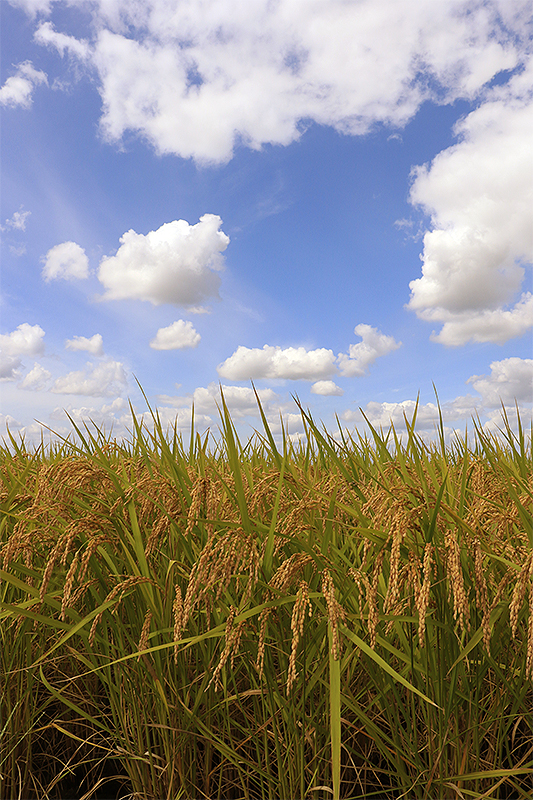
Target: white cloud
(362,355)
(291,363)
(195,78)
(488,326)
(36,379)
(7,421)
(47,35)
(94,345)
(240,400)
(103,380)
(177,263)
(327,388)
(479,195)
(9,368)
(18,88)
(298,363)
(33,7)
(18,220)
(381,415)
(66,260)
(178,336)
(113,418)
(26,340)
(510,380)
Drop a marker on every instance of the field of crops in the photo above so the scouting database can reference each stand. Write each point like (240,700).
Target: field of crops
(337,617)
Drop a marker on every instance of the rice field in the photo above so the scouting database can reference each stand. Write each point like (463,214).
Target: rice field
(339,617)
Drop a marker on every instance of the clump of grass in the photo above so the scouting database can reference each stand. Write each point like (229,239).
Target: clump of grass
(340,615)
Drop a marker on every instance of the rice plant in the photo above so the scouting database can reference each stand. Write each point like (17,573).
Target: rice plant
(343,616)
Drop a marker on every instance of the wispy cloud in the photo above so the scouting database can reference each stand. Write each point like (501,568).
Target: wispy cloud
(18,88)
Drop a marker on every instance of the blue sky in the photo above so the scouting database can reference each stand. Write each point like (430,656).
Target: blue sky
(332,199)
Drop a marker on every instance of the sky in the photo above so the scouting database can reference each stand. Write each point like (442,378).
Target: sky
(327,200)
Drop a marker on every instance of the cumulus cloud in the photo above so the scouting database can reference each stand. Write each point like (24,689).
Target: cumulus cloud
(360,356)
(9,367)
(67,261)
(193,79)
(105,415)
(327,388)
(94,345)
(18,220)
(510,380)
(36,379)
(106,379)
(178,263)
(381,415)
(292,363)
(18,88)
(488,326)
(298,363)
(479,196)
(178,336)
(26,340)
(241,402)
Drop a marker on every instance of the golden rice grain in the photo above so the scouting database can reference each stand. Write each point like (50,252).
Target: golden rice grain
(301,606)
(118,591)
(177,612)
(461,609)
(143,640)
(229,638)
(69,582)
(522,584)
(336,612)
(423,597)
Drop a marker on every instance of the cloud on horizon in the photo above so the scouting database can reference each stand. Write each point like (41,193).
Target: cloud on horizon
(107,379)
